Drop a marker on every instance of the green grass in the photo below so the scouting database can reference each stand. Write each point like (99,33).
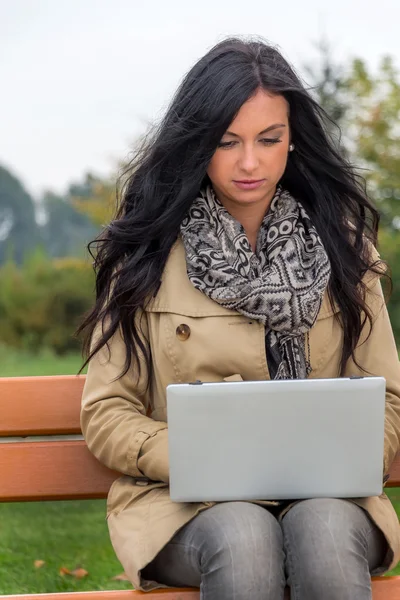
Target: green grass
(394,495)
(63,534)
(16,364)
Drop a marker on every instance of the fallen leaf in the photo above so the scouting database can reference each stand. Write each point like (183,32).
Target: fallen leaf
(39,563)
(121,577)
(79,573)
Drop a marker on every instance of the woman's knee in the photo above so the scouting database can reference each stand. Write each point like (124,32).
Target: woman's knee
(326,542)
(240,529)
(242,546)
(235,549)
(328,520)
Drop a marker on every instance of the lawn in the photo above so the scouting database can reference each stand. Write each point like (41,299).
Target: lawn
(15,364)
(63,534)
(70,535)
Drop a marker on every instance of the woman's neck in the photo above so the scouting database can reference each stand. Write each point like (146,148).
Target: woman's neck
(250,216)
(251,224)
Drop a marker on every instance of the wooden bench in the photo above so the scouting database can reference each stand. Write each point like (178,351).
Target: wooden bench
(66,470)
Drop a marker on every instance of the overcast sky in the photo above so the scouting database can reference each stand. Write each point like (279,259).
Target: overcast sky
(80,79)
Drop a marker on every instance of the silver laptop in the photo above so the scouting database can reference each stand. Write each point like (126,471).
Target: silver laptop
(274,440)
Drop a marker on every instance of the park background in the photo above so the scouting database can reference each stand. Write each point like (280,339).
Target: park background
(81,84)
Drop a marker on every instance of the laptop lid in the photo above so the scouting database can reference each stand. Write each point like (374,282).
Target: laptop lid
(271,440)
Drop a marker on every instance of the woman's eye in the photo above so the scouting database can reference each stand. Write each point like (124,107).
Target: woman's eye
(264,141)
(270,141)
(226,144)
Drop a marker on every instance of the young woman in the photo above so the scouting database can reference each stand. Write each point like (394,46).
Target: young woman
(244,246)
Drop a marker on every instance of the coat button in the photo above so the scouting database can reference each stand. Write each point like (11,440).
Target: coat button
(183,332)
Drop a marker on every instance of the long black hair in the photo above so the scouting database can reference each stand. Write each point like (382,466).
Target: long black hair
(169,169)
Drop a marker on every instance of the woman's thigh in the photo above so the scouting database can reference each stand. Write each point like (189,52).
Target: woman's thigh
(331,547)
(234,549)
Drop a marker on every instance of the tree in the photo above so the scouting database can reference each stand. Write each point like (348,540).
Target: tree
(19,232)
(374,118)
(66,231)
(329,88)
(366,105)
(98,202)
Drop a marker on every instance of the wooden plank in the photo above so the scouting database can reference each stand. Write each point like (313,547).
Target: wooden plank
(383,588)
(386,588)
(162,594)
(62,470)
(394,480)
(66,469)
(40,405)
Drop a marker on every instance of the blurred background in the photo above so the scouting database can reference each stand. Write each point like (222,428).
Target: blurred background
(80,84)
(82,81)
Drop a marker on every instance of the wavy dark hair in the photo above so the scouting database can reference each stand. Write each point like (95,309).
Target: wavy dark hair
(169,169)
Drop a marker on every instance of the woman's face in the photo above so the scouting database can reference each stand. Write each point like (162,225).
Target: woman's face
(251,157)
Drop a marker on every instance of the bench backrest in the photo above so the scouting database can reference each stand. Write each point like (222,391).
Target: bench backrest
(56,467)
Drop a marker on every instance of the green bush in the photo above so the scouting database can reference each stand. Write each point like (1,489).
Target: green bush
(42,302)
(389,248)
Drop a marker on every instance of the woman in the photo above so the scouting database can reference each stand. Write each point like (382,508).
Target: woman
(243,248)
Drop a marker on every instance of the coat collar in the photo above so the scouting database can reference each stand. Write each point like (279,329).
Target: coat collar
(177,294)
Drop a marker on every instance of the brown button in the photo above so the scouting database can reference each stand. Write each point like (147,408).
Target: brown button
(183,332)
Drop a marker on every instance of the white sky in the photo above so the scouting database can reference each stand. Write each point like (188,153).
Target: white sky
(80,79)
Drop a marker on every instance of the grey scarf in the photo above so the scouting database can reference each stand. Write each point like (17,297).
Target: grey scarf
(282,284)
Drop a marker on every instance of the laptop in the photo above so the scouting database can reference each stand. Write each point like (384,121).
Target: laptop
(276,440)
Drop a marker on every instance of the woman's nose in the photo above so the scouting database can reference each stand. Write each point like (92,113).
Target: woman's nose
(249,160)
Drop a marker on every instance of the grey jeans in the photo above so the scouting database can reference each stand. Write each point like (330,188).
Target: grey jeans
(324,549)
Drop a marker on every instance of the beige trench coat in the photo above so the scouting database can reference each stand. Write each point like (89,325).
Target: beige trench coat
(222,343)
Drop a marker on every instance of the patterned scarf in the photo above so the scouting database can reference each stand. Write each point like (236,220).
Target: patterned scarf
(282,284)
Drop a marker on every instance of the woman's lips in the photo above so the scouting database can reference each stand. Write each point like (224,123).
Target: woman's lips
(248,185)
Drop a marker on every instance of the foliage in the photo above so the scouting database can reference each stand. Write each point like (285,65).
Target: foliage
(19,232)
(328,87)
(42,301)
(54,222)
(100,205)
(66,231)
(389,248)
(366,105)
(374,117)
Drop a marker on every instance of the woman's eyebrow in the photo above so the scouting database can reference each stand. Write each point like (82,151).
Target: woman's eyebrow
(270,128)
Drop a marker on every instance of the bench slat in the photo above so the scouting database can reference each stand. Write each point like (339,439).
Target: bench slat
(383,588)
(167,594)
(394,480)
(40,405)
(62,470)
(163,594)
